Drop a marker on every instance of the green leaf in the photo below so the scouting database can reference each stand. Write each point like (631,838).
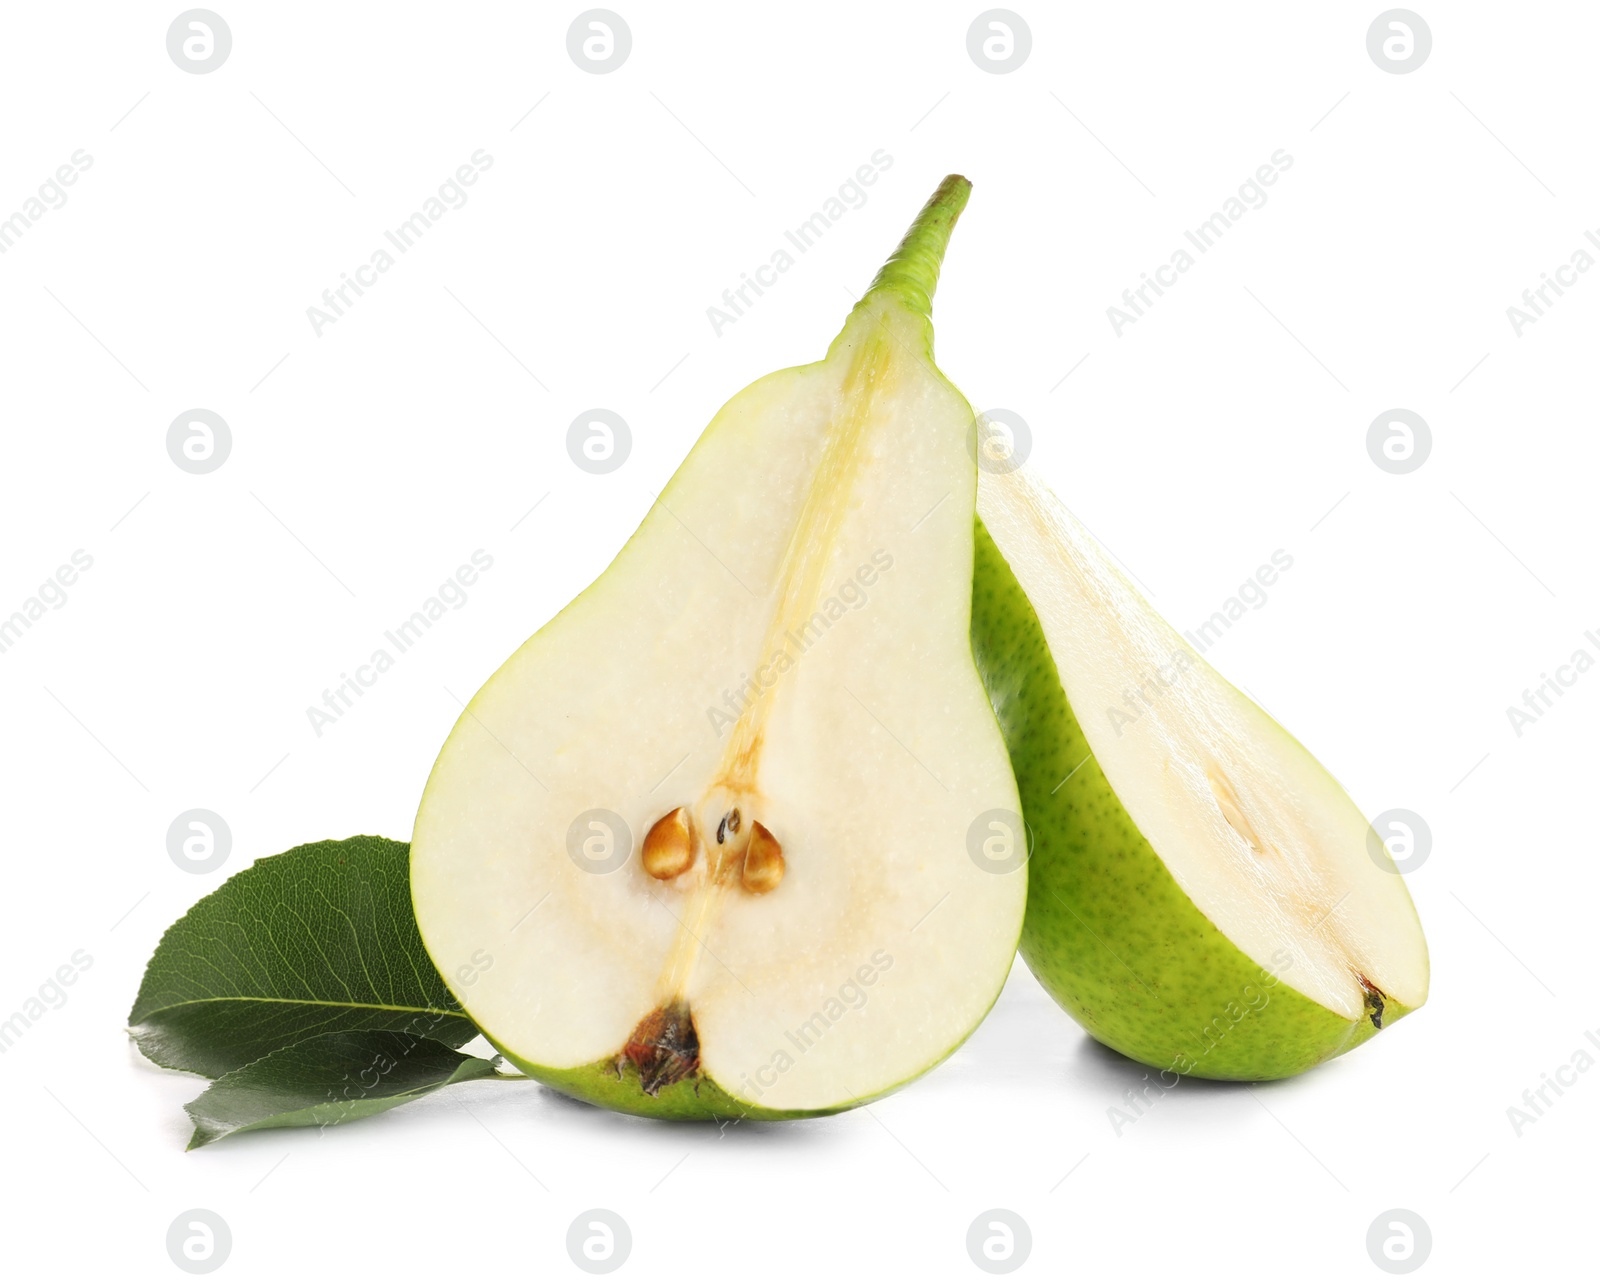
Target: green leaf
(318,939)
(329,1079)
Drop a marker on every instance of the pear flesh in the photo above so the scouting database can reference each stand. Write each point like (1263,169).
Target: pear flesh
(1204,897)
(772,688)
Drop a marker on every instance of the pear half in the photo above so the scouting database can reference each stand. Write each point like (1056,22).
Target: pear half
(1204,897)
(701,846)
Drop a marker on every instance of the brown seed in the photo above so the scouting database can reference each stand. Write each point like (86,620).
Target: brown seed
(763,861)
(669,846)
(664,1047)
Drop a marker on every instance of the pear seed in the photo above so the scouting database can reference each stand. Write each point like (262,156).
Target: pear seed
(1233,812)
(669,846)
(763,861)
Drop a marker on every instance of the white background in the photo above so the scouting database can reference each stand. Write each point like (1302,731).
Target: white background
(369,462)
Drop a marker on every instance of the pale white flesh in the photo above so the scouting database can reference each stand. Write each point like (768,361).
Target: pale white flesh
(874,747)
(1254,830)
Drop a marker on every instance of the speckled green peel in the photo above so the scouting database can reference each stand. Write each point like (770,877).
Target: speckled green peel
(1108,931)
(698,1098)
(599,1084)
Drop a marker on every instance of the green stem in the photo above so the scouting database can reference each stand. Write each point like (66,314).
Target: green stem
(912,271)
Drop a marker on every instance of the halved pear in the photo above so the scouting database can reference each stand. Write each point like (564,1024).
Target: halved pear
(1204,897)
(701,846)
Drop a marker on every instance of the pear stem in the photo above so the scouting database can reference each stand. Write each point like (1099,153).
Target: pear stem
(912,271)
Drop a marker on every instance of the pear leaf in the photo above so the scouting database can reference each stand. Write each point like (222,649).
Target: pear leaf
(329,1079)
(318,939)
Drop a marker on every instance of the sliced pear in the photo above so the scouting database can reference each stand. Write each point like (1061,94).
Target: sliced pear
(709,826)
(1204,896)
